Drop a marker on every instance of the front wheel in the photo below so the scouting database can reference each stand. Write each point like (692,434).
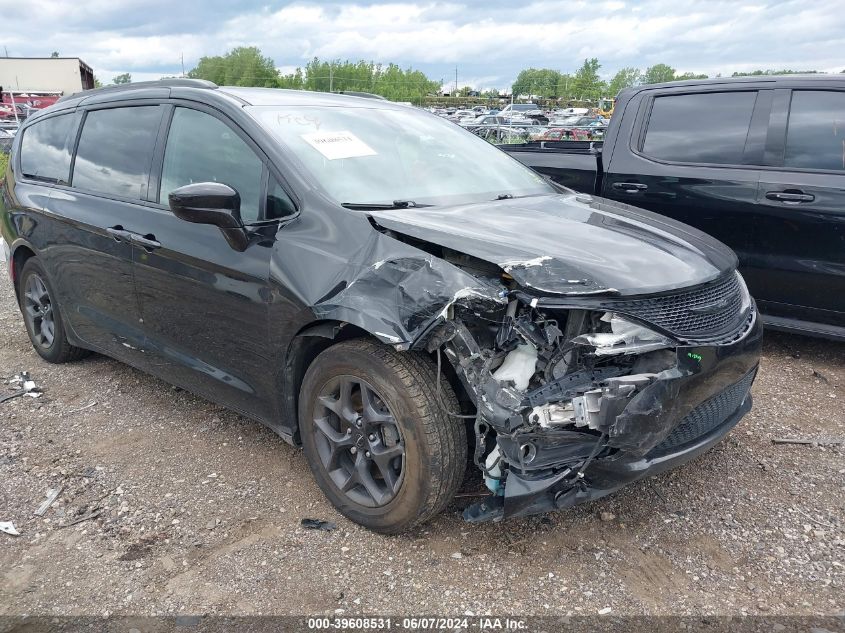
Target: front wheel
(381,445)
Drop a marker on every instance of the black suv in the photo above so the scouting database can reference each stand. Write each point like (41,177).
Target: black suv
(380,286)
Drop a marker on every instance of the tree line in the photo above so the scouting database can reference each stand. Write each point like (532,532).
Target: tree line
(586,84)
(246,66)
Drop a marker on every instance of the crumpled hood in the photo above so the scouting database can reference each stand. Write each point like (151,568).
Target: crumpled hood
(571,243)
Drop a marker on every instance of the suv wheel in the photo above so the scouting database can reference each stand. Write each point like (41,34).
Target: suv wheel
(380,444)
(42,316)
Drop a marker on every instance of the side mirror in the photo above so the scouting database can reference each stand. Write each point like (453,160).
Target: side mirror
(211,203)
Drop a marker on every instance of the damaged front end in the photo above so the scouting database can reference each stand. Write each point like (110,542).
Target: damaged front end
(576,396)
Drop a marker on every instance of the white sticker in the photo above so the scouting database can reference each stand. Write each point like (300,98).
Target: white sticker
(334,145)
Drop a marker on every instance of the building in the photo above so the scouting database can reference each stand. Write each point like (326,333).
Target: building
(43,76)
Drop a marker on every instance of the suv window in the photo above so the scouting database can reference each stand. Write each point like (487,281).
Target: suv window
(47,146)
(201,148)
(815,137)
(116,149)
(700,128)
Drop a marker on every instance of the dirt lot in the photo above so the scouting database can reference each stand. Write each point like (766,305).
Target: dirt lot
(200,512)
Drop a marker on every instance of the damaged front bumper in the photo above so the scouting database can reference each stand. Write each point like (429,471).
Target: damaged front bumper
(680,414)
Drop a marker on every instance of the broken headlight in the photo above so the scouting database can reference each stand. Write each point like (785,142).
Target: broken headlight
(625,337)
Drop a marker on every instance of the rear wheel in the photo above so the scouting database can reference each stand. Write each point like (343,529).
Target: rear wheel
(42,316)
(380,444)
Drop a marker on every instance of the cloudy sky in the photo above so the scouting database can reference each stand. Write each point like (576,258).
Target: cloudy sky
(489,41)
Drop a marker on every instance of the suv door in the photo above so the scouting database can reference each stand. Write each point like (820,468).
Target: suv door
(802,194)
(692,156)
(205,305)
(90,259)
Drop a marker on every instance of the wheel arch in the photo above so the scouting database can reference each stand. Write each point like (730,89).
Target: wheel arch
(20,254)
(318,336)
(304,347)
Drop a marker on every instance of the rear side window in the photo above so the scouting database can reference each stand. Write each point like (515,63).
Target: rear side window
(700,128)
(115,151)
(201,148)
(815,138)
(47,146)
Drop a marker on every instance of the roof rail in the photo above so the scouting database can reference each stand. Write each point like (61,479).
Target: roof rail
(366,95)
(176,82)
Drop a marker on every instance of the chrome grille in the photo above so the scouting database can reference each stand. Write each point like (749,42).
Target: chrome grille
(677,314)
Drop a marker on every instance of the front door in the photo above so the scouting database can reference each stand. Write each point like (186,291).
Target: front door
(205,306)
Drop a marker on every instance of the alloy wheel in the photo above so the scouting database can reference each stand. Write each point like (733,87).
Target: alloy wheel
(359,441)
(39,311)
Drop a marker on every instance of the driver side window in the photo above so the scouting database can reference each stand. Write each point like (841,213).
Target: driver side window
(201,148)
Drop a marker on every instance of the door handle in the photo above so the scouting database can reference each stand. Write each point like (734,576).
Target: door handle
(119,233)
(630,187)
(146,241)
(793,197)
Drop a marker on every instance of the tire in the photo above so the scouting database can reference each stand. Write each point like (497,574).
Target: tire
(34,289)
(421,480)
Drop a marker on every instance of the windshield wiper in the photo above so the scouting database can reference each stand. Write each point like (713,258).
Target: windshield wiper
(504,196)
(396,204)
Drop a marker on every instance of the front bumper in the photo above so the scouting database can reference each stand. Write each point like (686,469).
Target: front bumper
(697,406)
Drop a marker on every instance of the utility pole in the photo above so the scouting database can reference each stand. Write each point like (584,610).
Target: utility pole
(182,57)
(331,77)
(456,81)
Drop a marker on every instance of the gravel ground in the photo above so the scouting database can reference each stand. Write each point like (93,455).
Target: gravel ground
(200,509)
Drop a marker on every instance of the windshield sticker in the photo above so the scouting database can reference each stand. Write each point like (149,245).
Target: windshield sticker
(335,145)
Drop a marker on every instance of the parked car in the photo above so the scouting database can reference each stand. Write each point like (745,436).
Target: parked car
(524,109)
(7,111)
(755,162)
(373,283)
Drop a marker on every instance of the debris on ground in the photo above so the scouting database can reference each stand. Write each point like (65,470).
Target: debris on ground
(813,441)
(52,495)
(87,406)
(87,517)
(27,387)
(318,524)
(9,528)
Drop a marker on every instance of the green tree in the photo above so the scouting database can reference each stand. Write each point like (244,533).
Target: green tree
(97,82)
(688,76)
(756,73)
(293,81)
(125,78)
(624,78)
(538,82)
(658,73)
(588,86)
(54,54)
(242,66)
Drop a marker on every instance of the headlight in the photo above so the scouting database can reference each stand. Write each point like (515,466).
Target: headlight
(745,304)
(624,337)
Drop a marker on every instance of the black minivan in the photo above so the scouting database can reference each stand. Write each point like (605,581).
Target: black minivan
(379,286)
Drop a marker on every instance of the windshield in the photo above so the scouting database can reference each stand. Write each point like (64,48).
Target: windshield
(373,155)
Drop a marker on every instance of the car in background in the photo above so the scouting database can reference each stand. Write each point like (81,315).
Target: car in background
(756,162)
